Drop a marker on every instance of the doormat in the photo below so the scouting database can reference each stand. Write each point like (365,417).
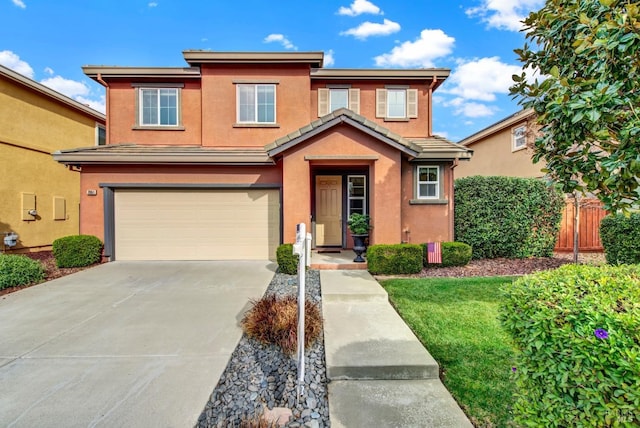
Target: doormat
(327,251)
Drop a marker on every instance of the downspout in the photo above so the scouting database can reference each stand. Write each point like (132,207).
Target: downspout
(452,201)
(430,105)
(106,122)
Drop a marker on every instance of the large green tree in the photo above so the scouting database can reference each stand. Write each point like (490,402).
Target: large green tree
(588,98)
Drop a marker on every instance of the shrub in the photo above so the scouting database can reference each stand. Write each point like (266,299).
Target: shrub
(287,261)
(16,270)
(507,216)
(394,259)
(453,254)
(620,236)
(274,320)
(77,251)
(578,332)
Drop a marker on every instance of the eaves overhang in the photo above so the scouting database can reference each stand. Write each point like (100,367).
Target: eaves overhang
(162,155)
(197,57)
(96,72)
(507,122)
(50,93)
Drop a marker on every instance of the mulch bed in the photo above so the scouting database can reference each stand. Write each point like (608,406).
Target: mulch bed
(51,271)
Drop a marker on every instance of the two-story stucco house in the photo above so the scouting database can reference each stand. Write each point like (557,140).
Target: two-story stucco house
(39,198)
(221,159)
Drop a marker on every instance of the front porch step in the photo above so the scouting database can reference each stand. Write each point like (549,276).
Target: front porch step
(340,260)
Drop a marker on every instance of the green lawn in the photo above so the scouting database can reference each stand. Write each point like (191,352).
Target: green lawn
(456,320)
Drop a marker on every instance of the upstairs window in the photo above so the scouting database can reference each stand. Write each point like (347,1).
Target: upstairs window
(101,135)
(519,138)
(256,103)
(428,183)
(158,107)
(332,99)
(395,103)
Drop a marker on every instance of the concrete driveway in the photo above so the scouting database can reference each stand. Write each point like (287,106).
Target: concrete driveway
(135,344)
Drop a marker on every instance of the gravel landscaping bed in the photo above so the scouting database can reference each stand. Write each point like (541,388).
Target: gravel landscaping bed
(260,377)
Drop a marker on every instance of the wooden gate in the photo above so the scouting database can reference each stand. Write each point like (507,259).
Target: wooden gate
(591,212)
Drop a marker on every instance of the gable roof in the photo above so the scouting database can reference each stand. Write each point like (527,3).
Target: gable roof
(498,126)
(427,148)
(50,93)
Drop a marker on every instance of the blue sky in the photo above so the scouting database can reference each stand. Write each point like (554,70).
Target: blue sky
(49,41)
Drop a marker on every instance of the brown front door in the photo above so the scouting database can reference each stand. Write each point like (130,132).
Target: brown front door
(328,210)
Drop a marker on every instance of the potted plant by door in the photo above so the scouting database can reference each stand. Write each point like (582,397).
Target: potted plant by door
(359,227)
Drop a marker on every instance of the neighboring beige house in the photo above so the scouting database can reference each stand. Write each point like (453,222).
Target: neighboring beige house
(501,149)
(39,197)
(504,149)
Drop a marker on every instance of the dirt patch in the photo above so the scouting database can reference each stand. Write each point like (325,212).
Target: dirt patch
(511,267)
(51,271)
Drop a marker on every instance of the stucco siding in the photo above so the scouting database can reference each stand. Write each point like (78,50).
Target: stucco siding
(31,127)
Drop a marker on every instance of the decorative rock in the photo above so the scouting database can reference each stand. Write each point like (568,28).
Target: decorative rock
(277,415)
(313,423)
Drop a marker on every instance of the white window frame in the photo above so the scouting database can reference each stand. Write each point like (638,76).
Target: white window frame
(158,89)
(519,138)
(437,182)
(255,103)
(333,91)
(100,126)
(363,198)
(404,103)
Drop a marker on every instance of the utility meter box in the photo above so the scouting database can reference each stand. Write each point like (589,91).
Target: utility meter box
(10,239)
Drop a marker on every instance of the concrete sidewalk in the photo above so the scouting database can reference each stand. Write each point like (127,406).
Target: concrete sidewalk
(124,344)
(379,373)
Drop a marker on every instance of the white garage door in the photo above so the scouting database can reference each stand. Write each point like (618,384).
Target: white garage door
(196,224)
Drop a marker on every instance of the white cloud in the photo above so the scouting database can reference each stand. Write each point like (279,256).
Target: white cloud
(481,79)
(422,52)
(280,38)
(358,7)
(49,70)
(443,134)
(504,14)
(13,61)
(20,4)
(329,60)
(68,87)
(152,4)
(98,105)
(470,108)
(368,29)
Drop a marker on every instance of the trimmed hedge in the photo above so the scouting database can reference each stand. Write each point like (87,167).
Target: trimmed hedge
(577,329)
(507,216)
(77,251)
(17,270)
(394,259)
(287,261)
(453,254)
(620,236)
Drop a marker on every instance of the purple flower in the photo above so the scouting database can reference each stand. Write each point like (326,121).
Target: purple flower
(601,333)
(513,369)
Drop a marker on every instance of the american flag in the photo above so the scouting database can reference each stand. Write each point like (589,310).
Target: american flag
(434,253)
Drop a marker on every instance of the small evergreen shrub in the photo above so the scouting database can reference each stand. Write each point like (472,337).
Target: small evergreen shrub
(507,216)
(77,251)
(287,261)
(17,270)
(394,259)
(453,254)
(620,236)
(577,329)
(274,320)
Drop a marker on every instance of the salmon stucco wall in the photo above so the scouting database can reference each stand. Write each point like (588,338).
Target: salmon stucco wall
(219,85)
(123,114)
(32,126)
(411,128)
(348,143)
(493,155)
(431,221)
(92,207)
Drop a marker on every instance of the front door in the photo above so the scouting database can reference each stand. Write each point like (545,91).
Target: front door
(329,210)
